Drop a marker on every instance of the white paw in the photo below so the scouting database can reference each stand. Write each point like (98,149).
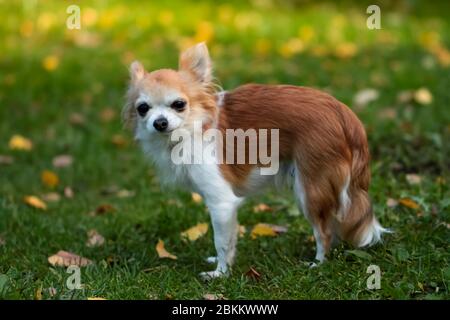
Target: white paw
(209,275)
(211,260)
(315,264)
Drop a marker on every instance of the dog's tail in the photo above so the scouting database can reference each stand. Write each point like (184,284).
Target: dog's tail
(358,224)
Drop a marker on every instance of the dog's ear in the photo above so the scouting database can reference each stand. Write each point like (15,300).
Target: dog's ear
(196,61)
(137,71)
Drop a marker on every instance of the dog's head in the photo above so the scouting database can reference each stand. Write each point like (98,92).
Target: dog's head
(164,100)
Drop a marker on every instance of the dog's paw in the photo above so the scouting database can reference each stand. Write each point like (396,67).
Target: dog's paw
(209,275)
(211,260)
(312,264)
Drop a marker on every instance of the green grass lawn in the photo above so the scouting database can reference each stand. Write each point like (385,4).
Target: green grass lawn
(64,89)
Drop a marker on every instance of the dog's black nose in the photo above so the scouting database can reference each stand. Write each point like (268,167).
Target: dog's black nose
(161,124)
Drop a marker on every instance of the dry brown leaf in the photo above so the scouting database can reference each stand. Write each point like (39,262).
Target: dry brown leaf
(423,96)
(119,140)
(2,241)
(107,114)
(405,96)
(197,198)
(409,203)
(52,291)
(104,208)
(266,230)
(387,113)
(51,197)
(65,259)
(7,160)
(35,202)
(213,296)
(391,203)
(77,119)
(95,239)
(49,179)
(413,179)
(96,298)
(252,273)
(68,192)
(62,161)
(162,252)
(262,207)
(18,142)
(195,232)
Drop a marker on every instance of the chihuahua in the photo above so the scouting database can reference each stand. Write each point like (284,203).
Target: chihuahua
(320,146)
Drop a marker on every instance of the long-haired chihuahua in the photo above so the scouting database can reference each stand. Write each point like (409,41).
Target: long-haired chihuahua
(318,144)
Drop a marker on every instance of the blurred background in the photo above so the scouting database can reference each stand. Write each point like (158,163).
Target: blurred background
(61,92)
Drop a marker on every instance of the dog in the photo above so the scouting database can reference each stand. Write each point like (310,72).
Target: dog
(321,146)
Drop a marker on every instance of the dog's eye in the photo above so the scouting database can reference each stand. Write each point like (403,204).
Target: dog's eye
(178,105)
(142,109)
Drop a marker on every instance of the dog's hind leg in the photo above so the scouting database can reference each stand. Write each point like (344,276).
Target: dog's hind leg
(318,197)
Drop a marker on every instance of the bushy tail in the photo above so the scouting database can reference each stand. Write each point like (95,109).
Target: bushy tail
(358,226)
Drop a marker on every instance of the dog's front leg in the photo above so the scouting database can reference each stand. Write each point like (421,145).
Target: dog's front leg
(224,221)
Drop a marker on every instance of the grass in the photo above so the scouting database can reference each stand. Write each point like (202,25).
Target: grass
(51,76)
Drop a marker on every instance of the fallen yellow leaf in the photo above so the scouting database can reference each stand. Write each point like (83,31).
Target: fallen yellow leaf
(35,202)
(119,141)
(96,298)
(18,142)
(346,50)
(195,232)
(38,294)
(50,63)
(262,230)
(196,197)
(241,231)
(423,96)
(65,259)
(162,252)
(49,178)
(409,203)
